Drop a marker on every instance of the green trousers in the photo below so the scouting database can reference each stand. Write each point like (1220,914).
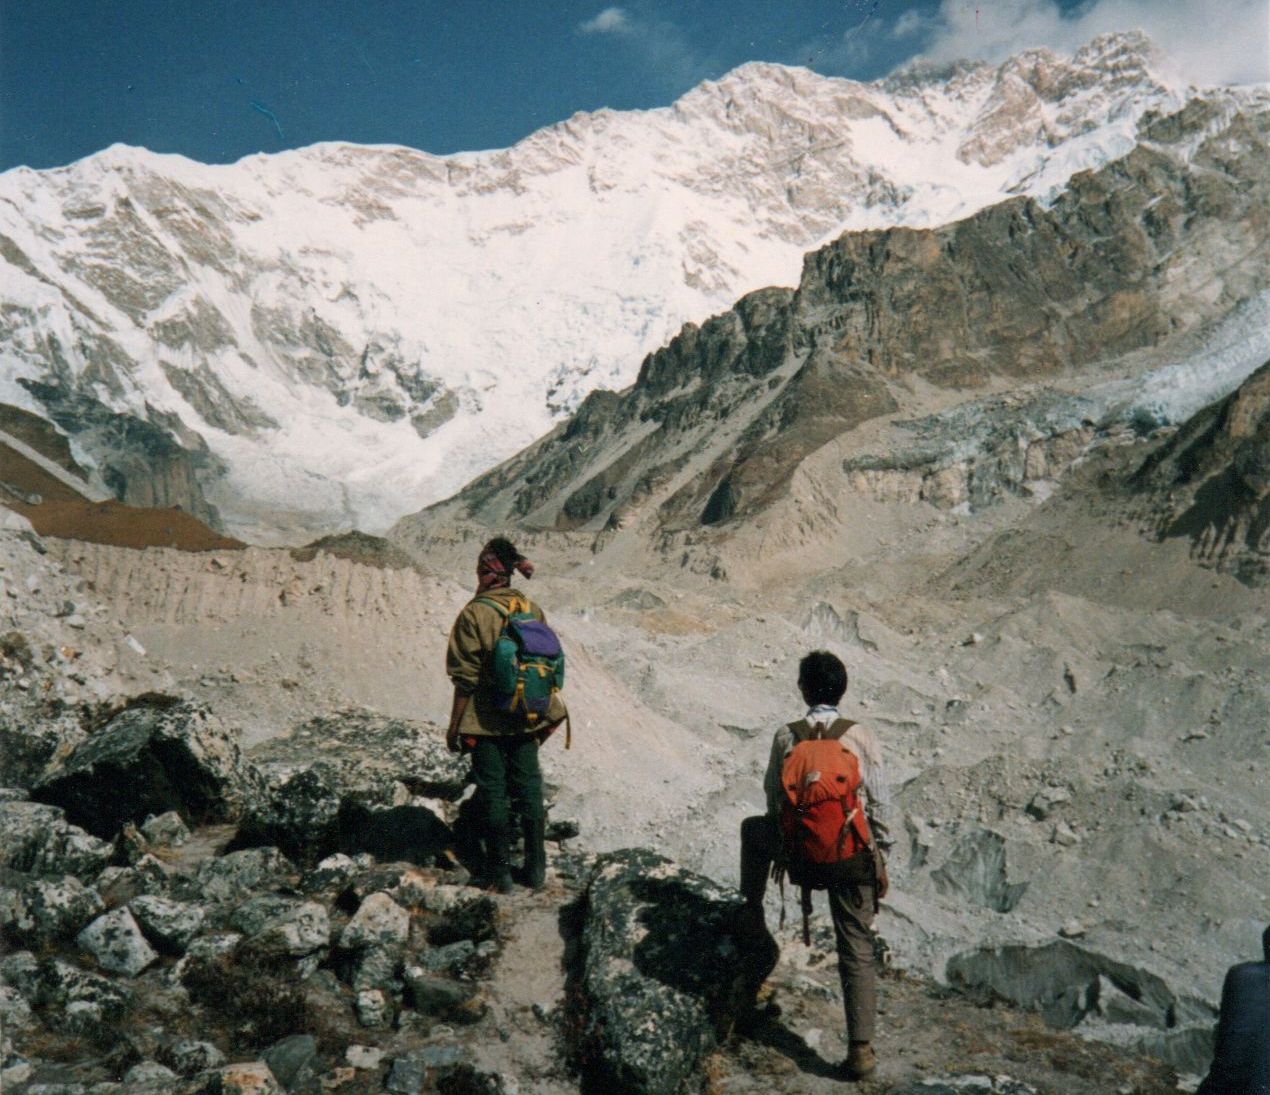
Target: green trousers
(506,773)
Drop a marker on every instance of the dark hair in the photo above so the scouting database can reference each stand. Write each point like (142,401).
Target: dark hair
(822,678)
(505,550)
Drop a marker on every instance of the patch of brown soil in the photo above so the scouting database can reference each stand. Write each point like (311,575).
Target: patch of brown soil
(41,435)
(122,525)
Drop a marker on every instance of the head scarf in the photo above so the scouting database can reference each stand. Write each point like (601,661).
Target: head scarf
(493,573)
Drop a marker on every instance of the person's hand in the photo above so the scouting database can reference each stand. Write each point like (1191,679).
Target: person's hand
(452,741)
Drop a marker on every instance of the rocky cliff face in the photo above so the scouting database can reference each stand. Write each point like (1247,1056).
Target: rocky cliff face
(1210,483)
(249,314)
(1158,245)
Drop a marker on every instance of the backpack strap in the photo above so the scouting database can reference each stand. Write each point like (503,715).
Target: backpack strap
(497,606)
(802,732)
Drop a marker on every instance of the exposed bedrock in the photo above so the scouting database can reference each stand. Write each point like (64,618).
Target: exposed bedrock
(1072,986)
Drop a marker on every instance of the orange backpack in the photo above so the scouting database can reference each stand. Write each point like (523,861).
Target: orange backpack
(824,831)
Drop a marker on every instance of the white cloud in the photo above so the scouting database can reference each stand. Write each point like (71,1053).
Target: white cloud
(609,21)
(911,22)
(1206,41)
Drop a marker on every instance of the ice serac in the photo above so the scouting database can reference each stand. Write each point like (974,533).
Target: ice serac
(297,343)
(1124,273)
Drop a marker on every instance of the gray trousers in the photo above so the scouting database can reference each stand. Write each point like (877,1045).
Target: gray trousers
(851,908)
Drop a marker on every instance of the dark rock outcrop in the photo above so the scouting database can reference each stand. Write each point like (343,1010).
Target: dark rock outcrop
(662,975)
(160,754)
(1211,482)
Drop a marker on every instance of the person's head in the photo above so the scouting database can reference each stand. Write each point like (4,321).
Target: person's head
(496,561)
(822,678)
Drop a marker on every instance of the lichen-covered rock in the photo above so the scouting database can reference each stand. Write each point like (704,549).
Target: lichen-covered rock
(55,984)
(169,925)
(50,910)
(117,943)
(233,876)
(149,1076)
(365,753)
(188,1057)
(167,829)
(276,925)
(38,839)
(294,1060)
(332,873)
(299,813)
(372,1008)
(159,755)
(663,973)
(119,885)
(423,1069)
(459,912)
(378,922)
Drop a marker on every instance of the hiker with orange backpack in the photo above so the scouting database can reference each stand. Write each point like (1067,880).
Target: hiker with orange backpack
(825,828)
(507,669)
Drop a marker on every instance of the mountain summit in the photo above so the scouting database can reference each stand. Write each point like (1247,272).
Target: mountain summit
(341,334)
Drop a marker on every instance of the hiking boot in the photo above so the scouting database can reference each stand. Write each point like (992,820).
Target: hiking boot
(499,869)
(861,1061)
(534,831)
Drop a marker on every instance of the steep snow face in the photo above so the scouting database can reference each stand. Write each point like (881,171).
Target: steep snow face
(354,332)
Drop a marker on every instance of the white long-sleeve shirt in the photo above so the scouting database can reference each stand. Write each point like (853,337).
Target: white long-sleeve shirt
(861,741)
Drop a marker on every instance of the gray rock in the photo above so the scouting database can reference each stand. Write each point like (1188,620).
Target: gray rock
(332,873)
(293,1060)
(378,922)
(298,814)
(372,1008)
(462,959)
(149,1076)
(169,925)
(117,943)
(1046,800)
(157,756)
(62,985)
(422,1069)
(244,1078)
(38,839)
(565,828)
(188,1057)
(461,913)
(376,968)
(277,925)
(449,1000)
(235,875)
(119,885)
(976,869)
(664,972)
(50,910)
(364,1058)
(168,829)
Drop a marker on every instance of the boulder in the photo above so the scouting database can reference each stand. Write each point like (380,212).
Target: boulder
(50,910)
(58,985)
(293,1060)
(378,922)
(442,998)
(365,753)
(299,813)
(663,972)
(159,755)
(233,876)
(276,925)
(188,1058)
(38,839)
(169,925)
(117,943)
(332,873)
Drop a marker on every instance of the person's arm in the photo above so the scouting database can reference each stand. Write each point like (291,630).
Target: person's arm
(877,797)
(772,777)
(457,707)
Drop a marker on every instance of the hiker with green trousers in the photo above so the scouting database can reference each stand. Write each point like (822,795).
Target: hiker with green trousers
(503,744)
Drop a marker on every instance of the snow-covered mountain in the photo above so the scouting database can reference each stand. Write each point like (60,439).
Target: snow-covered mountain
(341,334)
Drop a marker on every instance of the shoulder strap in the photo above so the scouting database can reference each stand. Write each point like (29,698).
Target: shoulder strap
(501,609)
(802,732)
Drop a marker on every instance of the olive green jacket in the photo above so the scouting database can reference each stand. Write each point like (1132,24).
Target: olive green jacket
(467,659)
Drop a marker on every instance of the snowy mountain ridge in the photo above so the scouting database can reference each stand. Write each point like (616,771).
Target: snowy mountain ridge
(341,334)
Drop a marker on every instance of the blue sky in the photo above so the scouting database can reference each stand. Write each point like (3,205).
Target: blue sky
(220,79)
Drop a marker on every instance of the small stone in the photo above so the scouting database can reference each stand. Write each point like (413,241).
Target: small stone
(251,1078)
(1073,929)
(169,925)
(1046,800)
(364,1057)
(116,942)
(421,1069)
(1064,835)
(293,1060)
(167,829)
(373,1009)
(565,828)
(278,925)
(188,1057)
(442,998)
(147,1073)
(1198,734)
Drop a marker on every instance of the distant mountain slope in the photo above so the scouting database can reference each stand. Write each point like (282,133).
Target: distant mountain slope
(339,335)
(1140,257)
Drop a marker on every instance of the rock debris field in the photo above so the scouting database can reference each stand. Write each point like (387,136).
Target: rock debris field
(234,854)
